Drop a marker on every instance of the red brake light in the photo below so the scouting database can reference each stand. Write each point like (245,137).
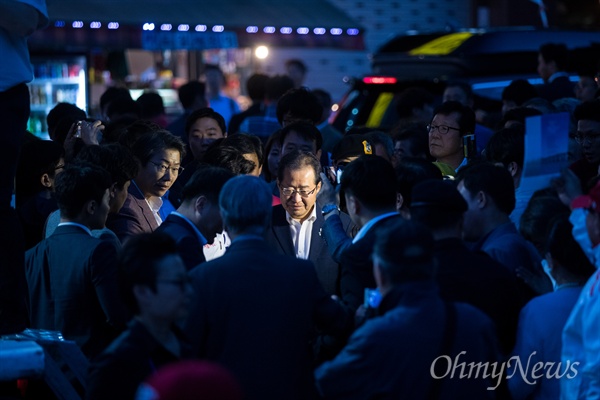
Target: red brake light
(379,80)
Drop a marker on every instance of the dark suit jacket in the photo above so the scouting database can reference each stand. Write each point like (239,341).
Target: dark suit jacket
(188,243)
(254,313)
(557,89)
(357,268)
(72,285)
(134,217)
(256,109)
(280,238)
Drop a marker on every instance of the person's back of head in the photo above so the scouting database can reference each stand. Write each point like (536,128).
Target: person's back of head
(60,111)
(518,92)
(138,263)
(506,146)
(151,105)
(409,173)
(466,116)
(382,144)
(298,105)
(276,86)
(115,158)
(494,181)
(305,131)
(460,91)
(589,110)
(415,140)
(535,220)
(256,85)
(545,106)
(555,53)
(122,107)
(562,248)
(438,205)
(245,203)
(372,181)
(325,101)
(192,95)
(413,98)
(111,94)
(39,162)
(78,185)
(403,252)
(206,181)
(228,157)
(517,116)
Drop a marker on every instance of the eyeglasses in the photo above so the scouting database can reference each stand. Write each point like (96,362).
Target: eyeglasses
(288,192)
(182,283)
(587,138)
(443,129)
(162,168)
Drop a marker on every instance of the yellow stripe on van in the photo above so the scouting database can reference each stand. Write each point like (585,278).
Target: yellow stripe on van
(441,46)
(381,105)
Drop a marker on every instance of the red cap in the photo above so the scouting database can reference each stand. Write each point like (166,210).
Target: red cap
(590,201)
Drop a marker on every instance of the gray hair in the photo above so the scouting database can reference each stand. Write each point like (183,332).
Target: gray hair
(245,202)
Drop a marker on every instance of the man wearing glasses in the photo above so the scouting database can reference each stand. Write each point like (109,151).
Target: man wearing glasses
(451,121)
(297,222)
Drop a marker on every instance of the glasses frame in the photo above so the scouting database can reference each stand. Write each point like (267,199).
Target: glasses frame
(160,166)
(442,129)
(294,191)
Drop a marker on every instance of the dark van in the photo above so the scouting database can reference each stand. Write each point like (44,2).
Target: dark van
(488,59)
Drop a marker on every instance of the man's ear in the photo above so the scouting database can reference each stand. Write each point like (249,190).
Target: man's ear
(199,204)
(112,191)
(482,199)
(46,181)
(91,206)
(352,204)
(399,201)
(513,168)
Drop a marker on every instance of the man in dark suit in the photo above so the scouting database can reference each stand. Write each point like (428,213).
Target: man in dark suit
(255,310)
(72,276)
(368,185)
(552,64)
(297,224)
(197,220)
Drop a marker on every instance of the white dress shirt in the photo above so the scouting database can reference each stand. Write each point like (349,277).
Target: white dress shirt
(302,233)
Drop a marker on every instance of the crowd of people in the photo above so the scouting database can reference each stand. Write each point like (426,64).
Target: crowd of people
(265,255)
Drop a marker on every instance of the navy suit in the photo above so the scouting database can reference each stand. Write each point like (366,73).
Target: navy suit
(280,238)
(557,89)
(72,285)
(189,245)
(255,312)
(133,218)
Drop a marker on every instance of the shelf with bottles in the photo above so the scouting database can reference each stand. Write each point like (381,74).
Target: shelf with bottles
(37,124)
(50,94)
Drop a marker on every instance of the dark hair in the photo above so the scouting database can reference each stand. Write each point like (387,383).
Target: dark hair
(534,223)
(207,181)
(115,158)
(137,263)
(496,182)
(121,106)
(206,112)
(189,92)
(372,181)
(417,137)
(246,144)
(111,94)
(151,105)
(60,111)
(464,86)
(257,86)
(301,104)
(556,52)
(228,157)
(305,130)
(411,171)
(505,146)
(296,63)
(296,160)
(466,119)
(273,139)
(588,110)
(404,249)
(245,203)
(135,130)
(562,246)
(277,86)
(519,91)
(519,114)
(37,158)
(412,97)
(78,184)
(149,144)
(379,137)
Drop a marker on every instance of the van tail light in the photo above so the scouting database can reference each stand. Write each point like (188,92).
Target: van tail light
(379,80)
